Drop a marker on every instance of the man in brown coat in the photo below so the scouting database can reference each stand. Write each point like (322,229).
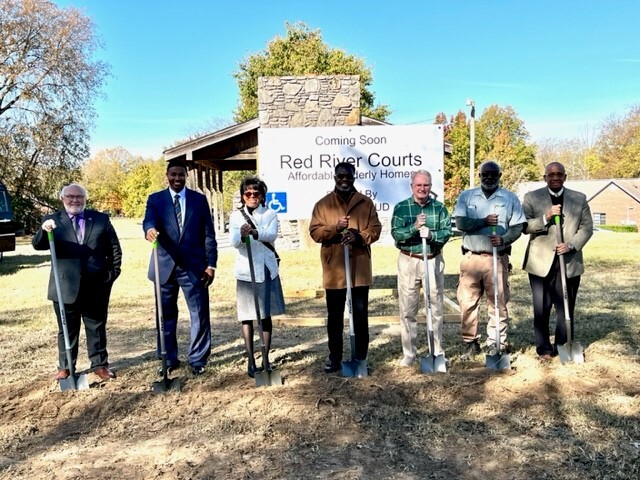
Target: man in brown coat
(345,217)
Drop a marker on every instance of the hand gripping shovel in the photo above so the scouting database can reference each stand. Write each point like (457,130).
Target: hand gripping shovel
(354,367)
(570,351)
(499,361)
(267,377)
(166,384)
(73,381)
(433,363)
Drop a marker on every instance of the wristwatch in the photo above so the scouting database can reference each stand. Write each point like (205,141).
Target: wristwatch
(570,246)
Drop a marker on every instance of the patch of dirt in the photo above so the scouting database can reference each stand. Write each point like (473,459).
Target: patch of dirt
(534,421)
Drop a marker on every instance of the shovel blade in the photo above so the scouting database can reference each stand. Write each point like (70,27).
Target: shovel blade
(75,382)
(268,378)
(355,369)
(433,364)
(571,352)
(499,361)
(167,385)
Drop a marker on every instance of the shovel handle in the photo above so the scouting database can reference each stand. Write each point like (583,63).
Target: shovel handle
(63,314)
(565,291)
(496,305)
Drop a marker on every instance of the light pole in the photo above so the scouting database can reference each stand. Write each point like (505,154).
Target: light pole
(472,141)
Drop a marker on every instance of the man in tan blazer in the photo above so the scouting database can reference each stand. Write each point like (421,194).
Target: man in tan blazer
(541,257)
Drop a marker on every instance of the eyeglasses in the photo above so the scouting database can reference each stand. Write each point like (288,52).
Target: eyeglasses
(344,176)
(490,175)
(252,194)
(74,197)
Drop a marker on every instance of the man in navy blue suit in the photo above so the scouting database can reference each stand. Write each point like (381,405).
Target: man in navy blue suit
(180,219)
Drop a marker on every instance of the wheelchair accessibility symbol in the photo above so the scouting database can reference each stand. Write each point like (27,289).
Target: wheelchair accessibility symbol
(277,201)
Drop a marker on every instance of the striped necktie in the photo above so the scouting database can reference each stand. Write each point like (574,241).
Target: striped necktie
(176,206)
(75,221)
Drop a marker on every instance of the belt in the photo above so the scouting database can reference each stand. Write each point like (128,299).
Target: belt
(487,254)
(416,255)
(505,251)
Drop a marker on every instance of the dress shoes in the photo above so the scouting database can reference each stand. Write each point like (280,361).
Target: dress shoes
(104,373)
(252,370)
(407,361)
(545,357)
(170,368)
(331,367)
(62,374)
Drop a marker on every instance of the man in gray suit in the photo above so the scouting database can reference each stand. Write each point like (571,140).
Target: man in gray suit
(541,257)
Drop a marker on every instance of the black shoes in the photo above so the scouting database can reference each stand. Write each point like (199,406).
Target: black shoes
(331,367)
(198,370)
(471,349)
(170,368)
(252,370)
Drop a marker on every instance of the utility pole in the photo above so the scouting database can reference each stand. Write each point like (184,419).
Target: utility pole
(472,142)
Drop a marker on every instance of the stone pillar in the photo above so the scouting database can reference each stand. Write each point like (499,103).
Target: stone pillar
(308,101)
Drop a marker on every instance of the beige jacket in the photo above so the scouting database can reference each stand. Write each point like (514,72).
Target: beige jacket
(577,230)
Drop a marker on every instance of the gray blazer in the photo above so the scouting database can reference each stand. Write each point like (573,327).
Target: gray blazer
(96,262)
(577,230)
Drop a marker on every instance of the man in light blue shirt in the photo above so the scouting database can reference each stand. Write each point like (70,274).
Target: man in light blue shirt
(488,216)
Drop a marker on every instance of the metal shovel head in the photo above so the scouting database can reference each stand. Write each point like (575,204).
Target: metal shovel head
(77,382)
(167,385)
(268,378)
(571,352)
(499,361)
(355,368)
(433,364)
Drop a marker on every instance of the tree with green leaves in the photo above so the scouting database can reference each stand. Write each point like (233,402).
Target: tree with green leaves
(617,147)
(144,177)
(456,165)
(502,136)
(301,52)
(49,79)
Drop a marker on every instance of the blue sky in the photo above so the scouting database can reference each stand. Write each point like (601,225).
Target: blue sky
(564,66)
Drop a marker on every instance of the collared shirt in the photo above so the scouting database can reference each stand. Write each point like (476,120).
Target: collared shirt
(183,202)
(407,236)
(556,194)
(473,204)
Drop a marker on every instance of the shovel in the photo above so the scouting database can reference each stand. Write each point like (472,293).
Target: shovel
(570,351)
(166,384)
(499,361)
(267,377)
(433,363)
(354,367)
(73,381)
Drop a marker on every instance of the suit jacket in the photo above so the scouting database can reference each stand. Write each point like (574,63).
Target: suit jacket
(98,259)
(577,229)
(195,248)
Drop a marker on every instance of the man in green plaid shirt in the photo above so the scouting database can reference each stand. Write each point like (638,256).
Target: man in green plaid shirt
(420,216)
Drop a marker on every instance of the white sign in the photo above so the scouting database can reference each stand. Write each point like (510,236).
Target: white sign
(298,164)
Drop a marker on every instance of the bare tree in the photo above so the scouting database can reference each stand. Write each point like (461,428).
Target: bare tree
(49,80)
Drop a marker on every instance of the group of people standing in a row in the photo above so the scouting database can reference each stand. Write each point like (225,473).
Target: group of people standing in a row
(179,220)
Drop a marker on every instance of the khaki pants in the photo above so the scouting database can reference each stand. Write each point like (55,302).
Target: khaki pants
(410,279)
(476,279)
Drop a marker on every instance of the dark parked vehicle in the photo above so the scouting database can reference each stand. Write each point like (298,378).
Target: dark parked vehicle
(8,225)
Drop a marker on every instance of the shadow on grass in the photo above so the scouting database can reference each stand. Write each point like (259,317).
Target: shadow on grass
(12,264)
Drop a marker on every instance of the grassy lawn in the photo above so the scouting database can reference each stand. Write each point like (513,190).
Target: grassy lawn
(535,421)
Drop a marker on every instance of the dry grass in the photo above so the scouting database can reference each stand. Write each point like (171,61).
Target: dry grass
(536,421)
